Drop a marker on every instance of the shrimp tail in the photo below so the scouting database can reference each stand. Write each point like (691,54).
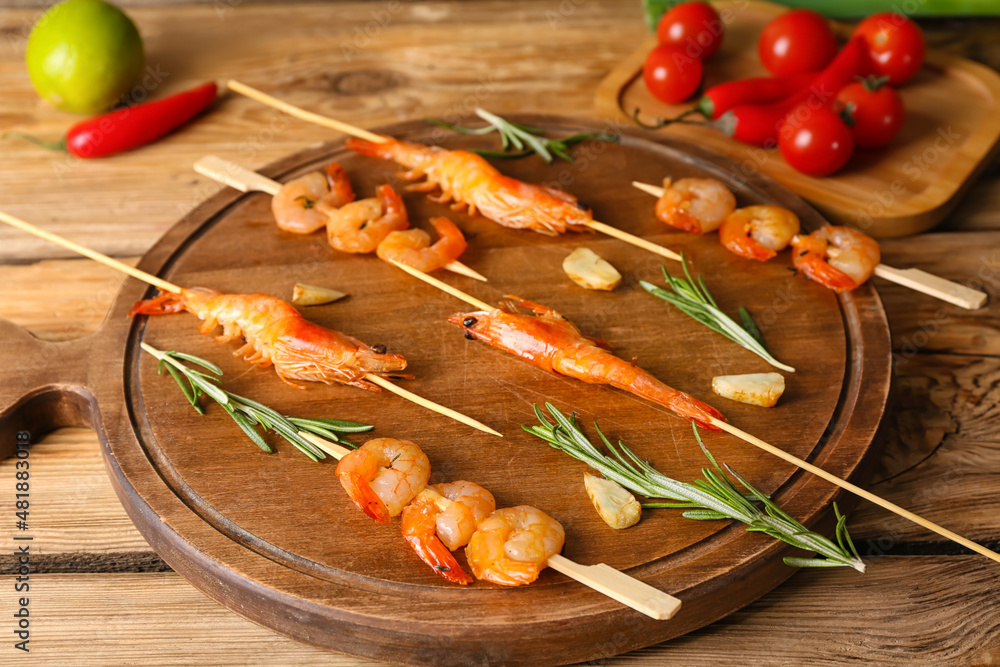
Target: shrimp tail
(162,305)
(366,499)
(442,561)
(681,403)
(340,186)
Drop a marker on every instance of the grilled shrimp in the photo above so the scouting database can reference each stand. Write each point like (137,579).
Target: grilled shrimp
(513,545)
(296,205)
(383,475)
(840,258)
(413,246)
(276,333)
(759,232)
(469,180)
(551,342)
(696,205)
(359,226)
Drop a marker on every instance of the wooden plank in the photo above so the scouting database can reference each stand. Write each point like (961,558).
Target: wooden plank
(415,64)
(889,616)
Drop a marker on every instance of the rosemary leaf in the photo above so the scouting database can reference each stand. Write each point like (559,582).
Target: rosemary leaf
(712,498)
(751,327)
(247,413)
(694,300)
(518,141)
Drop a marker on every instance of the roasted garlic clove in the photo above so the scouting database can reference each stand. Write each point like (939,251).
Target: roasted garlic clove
(763,389)
(587,269)
(617,506)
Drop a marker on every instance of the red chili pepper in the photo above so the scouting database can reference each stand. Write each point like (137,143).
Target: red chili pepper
(719,99)
(131,127)
(759,124)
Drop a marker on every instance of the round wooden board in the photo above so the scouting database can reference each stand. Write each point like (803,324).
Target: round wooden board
(275,538)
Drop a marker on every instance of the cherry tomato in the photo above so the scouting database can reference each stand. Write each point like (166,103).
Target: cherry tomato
(876,110)
(797,41)
(670,74)
(695,26)
(815,140)
(895,44)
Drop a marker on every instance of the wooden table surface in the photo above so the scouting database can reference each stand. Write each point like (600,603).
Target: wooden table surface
(99,595)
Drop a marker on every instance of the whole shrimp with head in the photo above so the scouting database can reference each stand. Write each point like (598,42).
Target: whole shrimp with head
(383,476)
(299,205)
(276,333)
(443,518)
(696,205)
(513,545)
(550,341)
(470,181)
(840,258)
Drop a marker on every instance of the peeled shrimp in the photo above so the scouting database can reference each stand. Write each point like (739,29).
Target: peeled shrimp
(276,333)
(469,180)
(359,226)
(550,341)
(413,246)
(840,258)
(696,205)
(296,205)
(513,545)
(759,232)
(383,476)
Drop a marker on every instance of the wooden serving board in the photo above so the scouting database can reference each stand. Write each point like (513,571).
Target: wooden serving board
(950,133)
(275,538)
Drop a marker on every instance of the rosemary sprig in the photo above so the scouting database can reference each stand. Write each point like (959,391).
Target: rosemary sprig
(714,497)
(522,140)
(693,298)
(247,413)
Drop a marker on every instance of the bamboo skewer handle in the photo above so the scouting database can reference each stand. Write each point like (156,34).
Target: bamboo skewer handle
(244,180)
(853,488)
(915,279)
(632,239)
(619,586)
(443,286)
(430,405)
(928,283)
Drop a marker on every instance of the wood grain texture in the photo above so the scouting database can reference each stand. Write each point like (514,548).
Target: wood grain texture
(889,616)
(196,498)
(950,134)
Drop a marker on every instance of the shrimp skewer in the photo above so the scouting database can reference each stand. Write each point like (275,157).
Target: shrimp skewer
(840,258)
(275,333)
(413,246)
(553,343)
(360,226)
(245,180)
(514,545)
(696,205)
(915,279)
(602,578)
(299,206)
(301,345)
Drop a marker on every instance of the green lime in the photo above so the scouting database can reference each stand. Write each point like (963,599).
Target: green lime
(83,55)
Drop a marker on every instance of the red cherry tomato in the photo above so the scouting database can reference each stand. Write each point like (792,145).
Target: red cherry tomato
(815,141)
(895,44)
(695,26)
(876,110)
(670,74)
(797,41)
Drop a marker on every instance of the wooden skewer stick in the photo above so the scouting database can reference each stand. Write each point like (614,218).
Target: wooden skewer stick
(780,453)
(245,180)
(443,286)
(856,490)
(170,287)
(360,133)
(602,578)
(915,279)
